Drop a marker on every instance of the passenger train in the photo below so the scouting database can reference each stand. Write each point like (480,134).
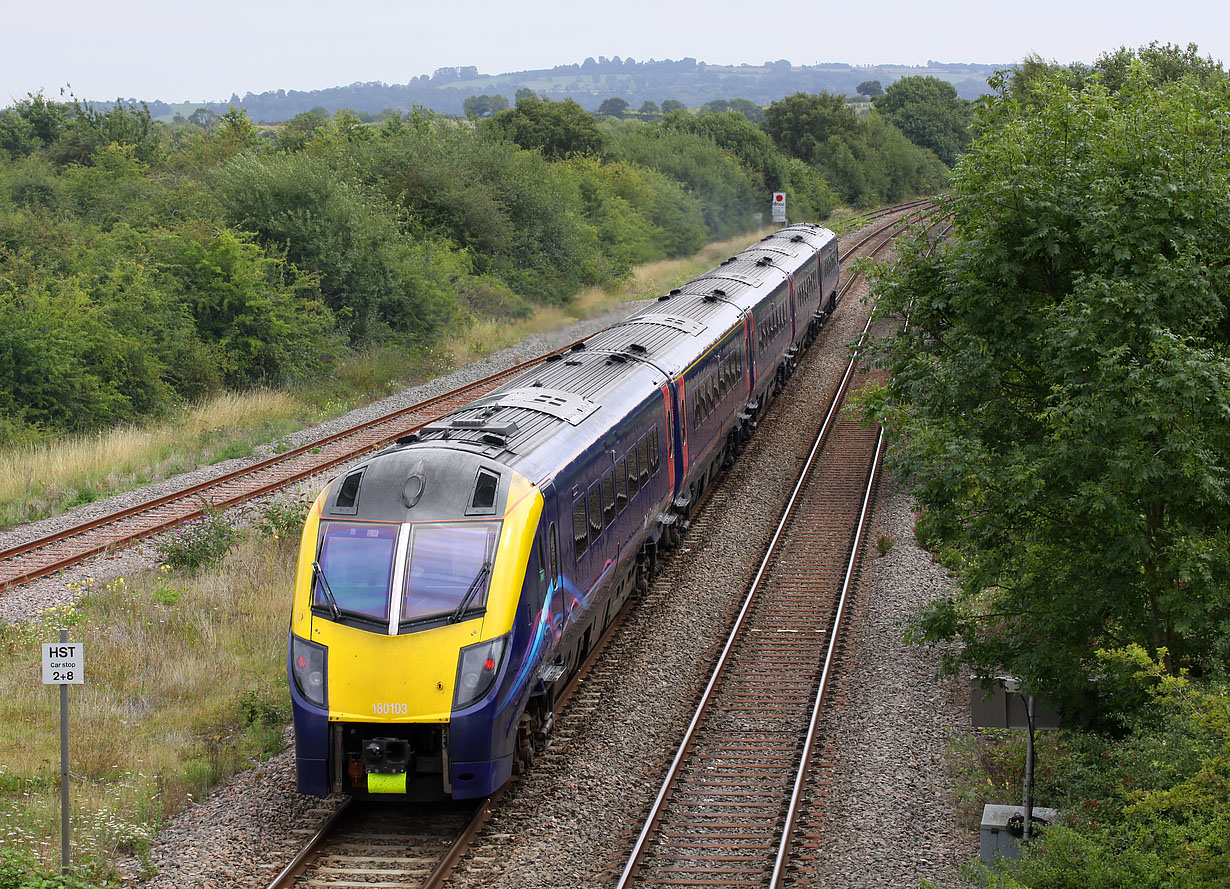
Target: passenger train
(450,585)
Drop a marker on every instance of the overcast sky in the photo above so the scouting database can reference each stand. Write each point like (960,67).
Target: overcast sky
(205,51)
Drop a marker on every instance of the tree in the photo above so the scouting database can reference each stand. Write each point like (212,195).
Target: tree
(669,105)
(1060,400)
(204,118)
(801,123)
(296,133)
(648,107)
(613,107)
(930,114)
(483,106)
(557,129)
(869,88)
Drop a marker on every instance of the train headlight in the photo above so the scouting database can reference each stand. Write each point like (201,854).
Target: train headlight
(476,670)
(308,662)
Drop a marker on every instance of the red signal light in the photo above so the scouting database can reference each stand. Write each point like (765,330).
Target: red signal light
(489,665)
(301,662)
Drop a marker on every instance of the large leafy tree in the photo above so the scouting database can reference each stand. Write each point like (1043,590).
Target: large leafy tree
(802,123)
(930,114)
(557,129)
(1061,397)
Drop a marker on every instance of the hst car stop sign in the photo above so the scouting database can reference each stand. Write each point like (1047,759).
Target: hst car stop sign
(63,663)
(779,206)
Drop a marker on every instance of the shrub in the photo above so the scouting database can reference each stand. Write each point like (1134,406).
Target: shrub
(197,544)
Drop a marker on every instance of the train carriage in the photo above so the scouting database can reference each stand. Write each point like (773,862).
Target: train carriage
(449,586)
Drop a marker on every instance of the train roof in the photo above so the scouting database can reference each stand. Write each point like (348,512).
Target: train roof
(553,412)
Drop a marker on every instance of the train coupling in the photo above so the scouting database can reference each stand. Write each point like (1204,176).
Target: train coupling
(386,762)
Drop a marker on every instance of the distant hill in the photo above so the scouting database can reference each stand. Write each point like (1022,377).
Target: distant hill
(688,81)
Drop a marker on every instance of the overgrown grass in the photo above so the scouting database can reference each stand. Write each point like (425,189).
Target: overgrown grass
(46,479)
(185,684)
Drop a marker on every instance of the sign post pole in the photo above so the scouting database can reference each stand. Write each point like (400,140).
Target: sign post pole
(63,665)
(65,836)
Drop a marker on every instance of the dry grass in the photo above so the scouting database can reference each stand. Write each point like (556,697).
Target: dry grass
(185,684)
(38,480)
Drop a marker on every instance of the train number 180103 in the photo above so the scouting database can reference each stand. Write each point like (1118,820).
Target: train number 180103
(390,709)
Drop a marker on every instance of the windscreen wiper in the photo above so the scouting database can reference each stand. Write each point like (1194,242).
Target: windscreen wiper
(475,586)
(319,573)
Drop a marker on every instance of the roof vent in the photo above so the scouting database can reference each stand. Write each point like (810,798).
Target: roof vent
(578,347)
(797,238)
(617,359)
(664,297)
(572,363)
(637,348)
(556,357)
(719,292)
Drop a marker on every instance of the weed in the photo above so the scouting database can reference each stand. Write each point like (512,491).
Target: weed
(884,544)
(282,518)
(198,544)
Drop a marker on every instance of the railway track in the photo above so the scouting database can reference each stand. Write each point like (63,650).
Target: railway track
(726,810)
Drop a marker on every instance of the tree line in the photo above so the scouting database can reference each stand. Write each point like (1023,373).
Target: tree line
(1060,405)
(145,264)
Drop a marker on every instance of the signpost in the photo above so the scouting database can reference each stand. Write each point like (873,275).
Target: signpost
(779,206)
(63,665)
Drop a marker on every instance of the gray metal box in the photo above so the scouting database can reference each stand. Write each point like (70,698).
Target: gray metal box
(998,838)
(1004,708)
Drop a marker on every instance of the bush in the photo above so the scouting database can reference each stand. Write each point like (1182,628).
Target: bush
(198,544)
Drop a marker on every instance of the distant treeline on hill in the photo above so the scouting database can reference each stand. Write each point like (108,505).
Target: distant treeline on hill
(589,83)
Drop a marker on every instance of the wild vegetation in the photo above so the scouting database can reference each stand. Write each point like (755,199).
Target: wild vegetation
(1060,401)
(144,267)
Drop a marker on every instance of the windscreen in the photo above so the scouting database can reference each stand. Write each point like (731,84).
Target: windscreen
(448,566)
(356,561)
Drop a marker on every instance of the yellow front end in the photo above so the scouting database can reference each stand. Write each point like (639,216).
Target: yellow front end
(377,677)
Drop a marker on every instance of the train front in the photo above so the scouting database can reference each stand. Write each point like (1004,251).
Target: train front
(407,659)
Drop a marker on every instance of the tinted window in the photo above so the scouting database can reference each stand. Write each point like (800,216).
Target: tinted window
(653,449)
(356,560)
(633,475)
(643,461)
(621,483)
(608,496)
(580,532)
(485,488)
(553,563)
(445,560)
(595,512)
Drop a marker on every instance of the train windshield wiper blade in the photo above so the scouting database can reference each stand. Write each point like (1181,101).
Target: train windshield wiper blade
(475,585)
(319,573)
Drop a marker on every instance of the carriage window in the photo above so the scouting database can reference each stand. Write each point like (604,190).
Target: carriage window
(595,512)
(621,483)
(553,557)
(608,497)
(580,528)
(643,461)
(653,449)
(633,475)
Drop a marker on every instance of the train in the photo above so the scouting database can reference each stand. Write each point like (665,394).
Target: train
(450,585)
